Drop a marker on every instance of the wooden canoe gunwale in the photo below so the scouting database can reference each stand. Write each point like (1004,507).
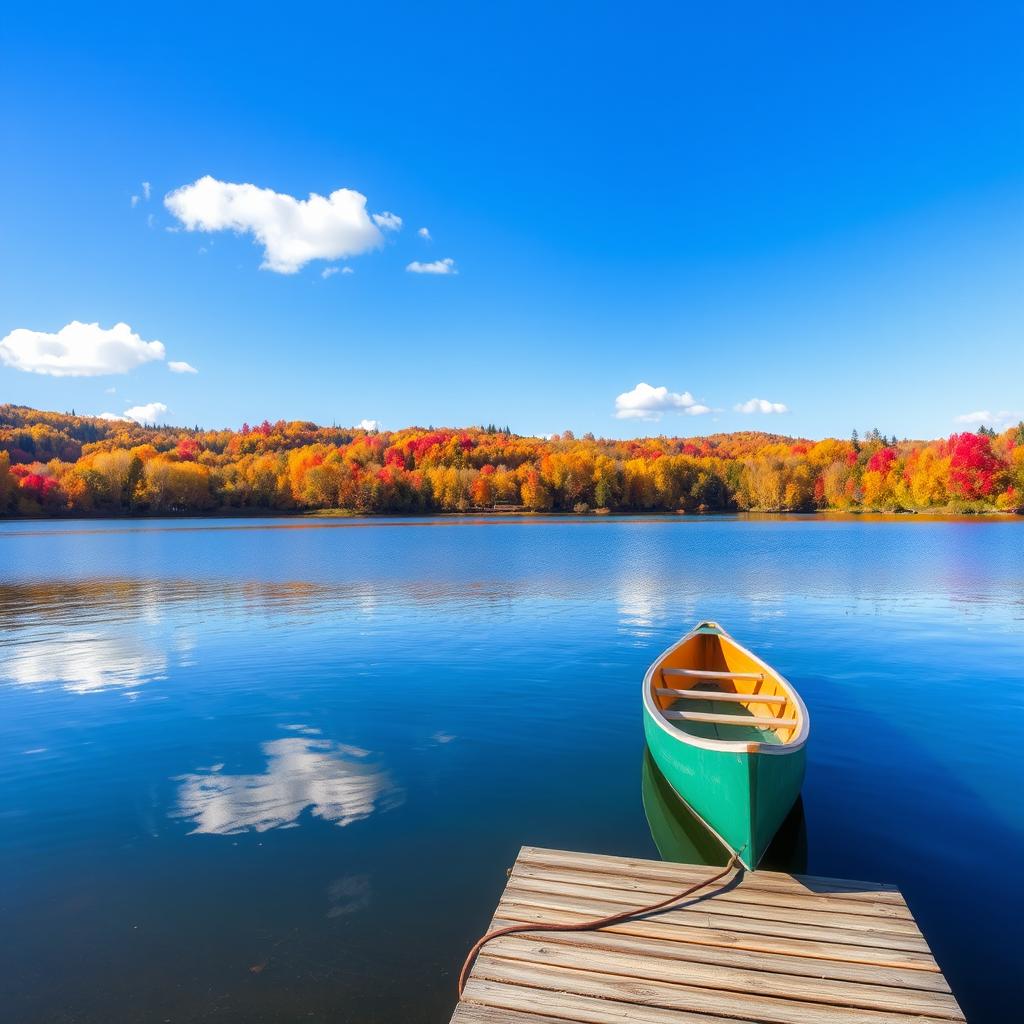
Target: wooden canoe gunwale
(792,745)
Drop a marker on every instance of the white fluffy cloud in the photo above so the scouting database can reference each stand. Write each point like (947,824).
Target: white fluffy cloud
(292,231)
(369,424)
(761,405)
(648,403)
(388,221)
(424,233)
(146,414)
(445,266)
(78,350)
(994,419)
(178,366)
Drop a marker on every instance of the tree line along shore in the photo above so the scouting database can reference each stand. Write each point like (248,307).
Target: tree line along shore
(54,464)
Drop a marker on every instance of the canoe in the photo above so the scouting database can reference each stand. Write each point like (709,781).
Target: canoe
(681,837)
(728,733)
(678,834)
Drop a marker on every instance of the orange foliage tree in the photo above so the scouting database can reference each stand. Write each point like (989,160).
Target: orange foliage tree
(53,464)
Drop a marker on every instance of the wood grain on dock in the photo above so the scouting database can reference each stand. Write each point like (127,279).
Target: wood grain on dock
(762,946)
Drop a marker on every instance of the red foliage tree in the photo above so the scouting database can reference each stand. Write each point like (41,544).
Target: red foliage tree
(882,460)
(187,450)
(43,489)
(819,492)
(973,466)
(394,457)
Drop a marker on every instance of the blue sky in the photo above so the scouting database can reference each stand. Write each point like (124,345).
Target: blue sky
(818,209)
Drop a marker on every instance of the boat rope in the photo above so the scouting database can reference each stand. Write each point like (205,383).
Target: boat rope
(589,926)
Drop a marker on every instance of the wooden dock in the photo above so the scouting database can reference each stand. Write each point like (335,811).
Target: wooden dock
(762,947)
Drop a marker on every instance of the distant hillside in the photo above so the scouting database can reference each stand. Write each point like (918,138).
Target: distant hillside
(30,435)
(63,464)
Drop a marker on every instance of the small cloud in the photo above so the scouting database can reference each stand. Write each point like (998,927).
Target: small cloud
(292,231)
(369,424)
(331,271)
(424,233)
(761,405)
(445,266)
(387,221)
(1004,418)
(110,391)
(135,201)
(78,350)
(150,221)
(145,414)
(177,366)
(649,403)
(147,190)
(113,416)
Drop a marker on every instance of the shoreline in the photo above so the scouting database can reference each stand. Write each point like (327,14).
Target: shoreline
(821,515)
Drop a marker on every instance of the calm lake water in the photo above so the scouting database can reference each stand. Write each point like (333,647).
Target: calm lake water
(275,770)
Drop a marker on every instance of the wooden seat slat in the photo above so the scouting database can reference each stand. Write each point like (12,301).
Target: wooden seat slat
(700,716)
(752,698)
(700,673)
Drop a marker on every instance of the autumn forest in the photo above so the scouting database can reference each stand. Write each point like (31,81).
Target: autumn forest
(61,464)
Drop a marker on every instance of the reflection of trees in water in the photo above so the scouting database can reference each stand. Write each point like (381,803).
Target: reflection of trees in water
(22,603)
(91,635)
(338,783)
(86,636)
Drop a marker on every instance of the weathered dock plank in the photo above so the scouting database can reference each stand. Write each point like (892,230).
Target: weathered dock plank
(762,947)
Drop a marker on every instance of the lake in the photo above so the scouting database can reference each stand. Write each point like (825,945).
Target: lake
(275,770)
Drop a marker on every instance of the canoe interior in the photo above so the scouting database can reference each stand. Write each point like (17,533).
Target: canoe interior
(709,650)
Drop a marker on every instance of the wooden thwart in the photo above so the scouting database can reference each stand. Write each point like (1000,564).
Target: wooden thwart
(763,947)
(700,716)
(737,698)
(701,673)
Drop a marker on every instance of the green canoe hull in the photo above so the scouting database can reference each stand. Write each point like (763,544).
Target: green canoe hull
(679,835)
(743,797)
(682,837)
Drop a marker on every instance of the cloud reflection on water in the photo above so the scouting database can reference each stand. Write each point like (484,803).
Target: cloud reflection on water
(338,783)
(84,662)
